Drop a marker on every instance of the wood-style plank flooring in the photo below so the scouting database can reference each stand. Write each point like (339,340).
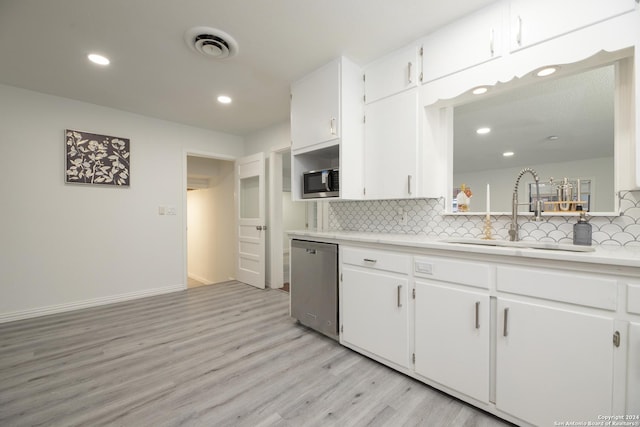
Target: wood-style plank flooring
(220,355)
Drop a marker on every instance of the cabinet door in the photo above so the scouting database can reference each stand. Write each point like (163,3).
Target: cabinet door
(392,74)
(469,41)
(633,375)
(536,21)
(374,313)
(452,338)
(391,147)
(553,364)
(315,107)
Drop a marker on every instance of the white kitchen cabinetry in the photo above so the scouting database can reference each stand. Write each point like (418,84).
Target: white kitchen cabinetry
(470,41)
(633,360)
(553,364)
(554,360)
(452,324)
(392,74)
(391,142)
(374,296)
(326,125)
(452,337)
(532,22)
(633,375)
(315,107)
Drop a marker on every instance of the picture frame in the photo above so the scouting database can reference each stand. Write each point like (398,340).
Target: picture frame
(96,159)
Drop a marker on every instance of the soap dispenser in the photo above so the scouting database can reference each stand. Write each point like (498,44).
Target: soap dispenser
(582,231)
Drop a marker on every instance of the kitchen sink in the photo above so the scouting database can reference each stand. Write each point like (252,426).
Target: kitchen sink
(521,244)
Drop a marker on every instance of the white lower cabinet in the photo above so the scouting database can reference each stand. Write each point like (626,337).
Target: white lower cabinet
(553,364)
(633,375)
(532,344)
(452,336)
(375,305)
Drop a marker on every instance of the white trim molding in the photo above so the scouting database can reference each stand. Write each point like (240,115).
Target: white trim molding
(62,308)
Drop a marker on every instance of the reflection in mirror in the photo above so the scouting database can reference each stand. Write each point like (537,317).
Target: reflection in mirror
(562,128)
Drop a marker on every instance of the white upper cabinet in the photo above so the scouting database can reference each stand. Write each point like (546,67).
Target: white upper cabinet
(392,74)
(391,147)
(532,22)
(470,41)
(315,107)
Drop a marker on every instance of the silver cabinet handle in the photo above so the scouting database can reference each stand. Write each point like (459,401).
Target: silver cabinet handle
(505,331)
(519,36)
(399,302)
(477,314)
(409,72)
(373,261)
(409,184)
(491,42)
(332,127)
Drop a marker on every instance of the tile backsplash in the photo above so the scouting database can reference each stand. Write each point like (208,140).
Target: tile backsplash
(425,217)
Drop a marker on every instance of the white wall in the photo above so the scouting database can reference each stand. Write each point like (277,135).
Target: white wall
(294,216)
(265,140)
(73,244)
(211,222)
(268,138)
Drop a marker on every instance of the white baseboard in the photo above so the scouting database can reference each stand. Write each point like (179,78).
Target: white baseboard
(61,308)
(199,278)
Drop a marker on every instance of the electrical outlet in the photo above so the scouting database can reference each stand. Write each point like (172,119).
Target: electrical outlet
(402,216)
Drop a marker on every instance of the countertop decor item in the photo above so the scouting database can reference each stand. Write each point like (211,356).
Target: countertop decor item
(464,198)
(92,158)
(582,231)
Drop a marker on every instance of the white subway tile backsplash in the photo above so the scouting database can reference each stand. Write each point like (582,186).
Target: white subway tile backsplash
(424,217)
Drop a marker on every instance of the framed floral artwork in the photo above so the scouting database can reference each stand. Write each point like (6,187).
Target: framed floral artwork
(96,159)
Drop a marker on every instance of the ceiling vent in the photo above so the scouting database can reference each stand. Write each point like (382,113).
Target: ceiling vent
(211,42)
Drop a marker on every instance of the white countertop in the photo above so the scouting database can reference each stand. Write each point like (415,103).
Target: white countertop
(609,255)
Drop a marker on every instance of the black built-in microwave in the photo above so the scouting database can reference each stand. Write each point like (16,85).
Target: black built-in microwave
(321,183)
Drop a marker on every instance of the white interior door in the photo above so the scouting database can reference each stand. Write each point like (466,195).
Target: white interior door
(252,232)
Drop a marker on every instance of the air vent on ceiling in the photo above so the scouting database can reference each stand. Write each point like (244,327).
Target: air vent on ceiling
(211,42)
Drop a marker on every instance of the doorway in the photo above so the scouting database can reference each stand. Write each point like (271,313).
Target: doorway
(210,217)
(285,215)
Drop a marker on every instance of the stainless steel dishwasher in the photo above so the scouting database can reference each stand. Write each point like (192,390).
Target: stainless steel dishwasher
(314,285)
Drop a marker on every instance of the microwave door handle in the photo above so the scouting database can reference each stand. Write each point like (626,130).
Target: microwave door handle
(327,183)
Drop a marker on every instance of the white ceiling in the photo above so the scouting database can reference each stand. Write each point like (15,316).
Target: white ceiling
(44,44)
(578,109)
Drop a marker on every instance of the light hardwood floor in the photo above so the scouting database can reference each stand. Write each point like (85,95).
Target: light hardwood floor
(220,355)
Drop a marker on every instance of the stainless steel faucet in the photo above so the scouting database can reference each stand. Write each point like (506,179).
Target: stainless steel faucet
(513,229)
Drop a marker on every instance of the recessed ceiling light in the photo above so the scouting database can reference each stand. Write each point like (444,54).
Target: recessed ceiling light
(480,90)
(483,131)
(546,71)
(508,153)
(98,59)
(224,99)
(552,138)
